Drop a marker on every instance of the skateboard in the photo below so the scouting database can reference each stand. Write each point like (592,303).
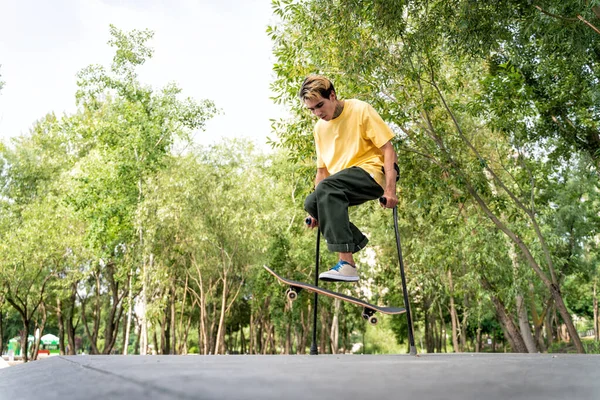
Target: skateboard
(368,309)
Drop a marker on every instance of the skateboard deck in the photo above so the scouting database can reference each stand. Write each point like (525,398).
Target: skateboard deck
(368,309)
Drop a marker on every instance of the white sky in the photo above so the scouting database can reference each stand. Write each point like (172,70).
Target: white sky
(214,49)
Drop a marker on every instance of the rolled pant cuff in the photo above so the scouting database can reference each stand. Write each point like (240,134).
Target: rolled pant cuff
(347,247)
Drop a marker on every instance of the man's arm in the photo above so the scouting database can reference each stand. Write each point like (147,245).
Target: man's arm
(389,159)
(322,173)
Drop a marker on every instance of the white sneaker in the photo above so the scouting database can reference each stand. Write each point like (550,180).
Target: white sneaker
(343,271)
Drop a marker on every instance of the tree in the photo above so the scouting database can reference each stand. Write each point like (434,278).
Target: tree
(96,164)
(400,57)
(130,130)
(32,250)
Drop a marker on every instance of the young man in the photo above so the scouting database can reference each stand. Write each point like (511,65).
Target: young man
(355,163)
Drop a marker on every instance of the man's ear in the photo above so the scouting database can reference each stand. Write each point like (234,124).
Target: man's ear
(332,96)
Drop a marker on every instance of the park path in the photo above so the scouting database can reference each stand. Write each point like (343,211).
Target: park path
(371,377)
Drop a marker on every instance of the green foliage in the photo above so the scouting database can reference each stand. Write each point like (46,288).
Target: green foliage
(380,339)
(494,106)
(470,90)
(90,170)
(591,347)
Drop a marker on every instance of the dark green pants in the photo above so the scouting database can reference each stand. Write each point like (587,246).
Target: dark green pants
(329,204)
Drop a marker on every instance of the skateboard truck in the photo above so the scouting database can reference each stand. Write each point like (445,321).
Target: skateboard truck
(292,292)
(369,314)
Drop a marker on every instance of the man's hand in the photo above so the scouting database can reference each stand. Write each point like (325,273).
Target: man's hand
(311,222)
(391,200)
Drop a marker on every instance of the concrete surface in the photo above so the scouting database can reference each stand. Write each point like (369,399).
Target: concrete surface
(429,376)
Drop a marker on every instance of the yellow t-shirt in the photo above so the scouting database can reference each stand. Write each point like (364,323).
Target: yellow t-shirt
(353,139)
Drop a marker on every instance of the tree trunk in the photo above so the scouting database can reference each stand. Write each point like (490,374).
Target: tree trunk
(262,342)
(243,349)
(557,326)
(144,296)
(287,345)
(70,326)
(1,327)
(524,325)
(548,326)
(564,313)
(203,316)
(429,325)
(183,349)
(435,333)
(144,301)
(453,315)
(323,338)
(596,322)
(464,325)
(440,336)
(165,327)
(138,340)
(113,318)
(302,334)
(61,327)
(478,340)
(510,330)
(97,313)
(129,313)
(443,347)
(39,331)
(522,316)
(86,327)
(272,340)
(538,319)
(251,333)
(173,319)
(115,314)
(334,334)
(212,319)
(155,343)
(71,346)
(221,328)
(183,331)
(203,313)
(25,342)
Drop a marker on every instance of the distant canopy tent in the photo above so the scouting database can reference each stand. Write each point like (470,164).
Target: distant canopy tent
(14,344)
(49,340)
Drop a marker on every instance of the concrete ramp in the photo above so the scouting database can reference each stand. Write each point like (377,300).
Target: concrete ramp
(371,377)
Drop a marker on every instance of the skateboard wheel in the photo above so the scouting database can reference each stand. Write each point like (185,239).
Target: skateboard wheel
(365,316)
(291,294)
(373,320)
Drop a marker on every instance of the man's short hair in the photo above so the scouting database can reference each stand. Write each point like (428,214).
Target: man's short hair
(315,85)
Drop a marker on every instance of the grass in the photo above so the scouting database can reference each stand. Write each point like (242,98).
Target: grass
(590,345)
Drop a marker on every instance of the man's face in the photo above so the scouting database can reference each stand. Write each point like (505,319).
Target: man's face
(322,107)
